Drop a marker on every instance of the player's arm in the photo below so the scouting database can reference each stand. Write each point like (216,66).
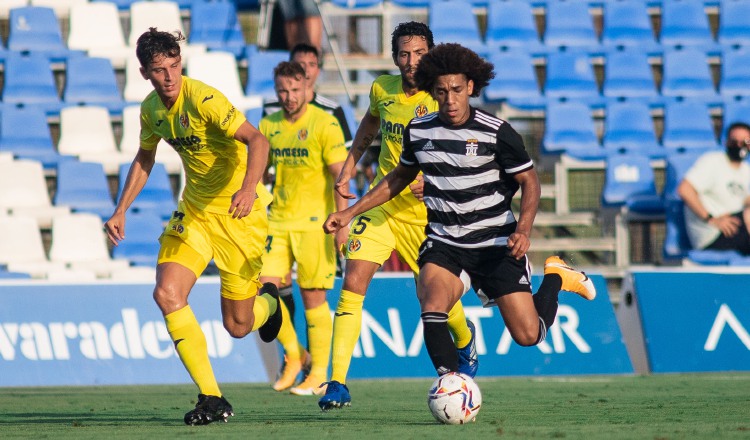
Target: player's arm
(519,241)
(134,183)
(257,159)
(391,185)
(368,129)
(728,224)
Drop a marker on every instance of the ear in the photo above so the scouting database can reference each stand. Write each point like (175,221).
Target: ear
(470,87)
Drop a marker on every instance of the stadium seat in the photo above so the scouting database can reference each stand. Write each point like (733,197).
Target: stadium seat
(709,257)
(688,126)
(687,77)
(453,21)
(61,7)
(130,141)
(123,5)
(219,69)
(570,76)
(83,187)
(29,82)
(86,132)
(92,81)
(25,192)
(79,241)
(97,29)
(36,29)
(684,23)
(511,26)
(627,75)
(215,24)
(629,128)
(627,25)
(735,111)
(569,129)
(515,81)
(7,5)
(134,274)
(570,27)
(734,31)
(735,75)
(629,181)
(155,197)
(142,244)
(676,165)
(136,88)
(260,71)
(163,15)
(22,248)
(24,132)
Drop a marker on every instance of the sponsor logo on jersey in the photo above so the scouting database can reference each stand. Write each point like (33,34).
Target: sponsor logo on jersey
(386,104)
(290,152)
(428,146)
(354,245)
(472,145)
(302,134)
(178,228)
(192,143)
(184,120)
(523,280)
(207,98)
(158,123)
(420,110)
(229,115)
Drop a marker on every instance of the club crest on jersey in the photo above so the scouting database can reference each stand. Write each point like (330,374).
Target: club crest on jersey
(302,134)
(472,145)
(184,121)
(354,245)
(420,110)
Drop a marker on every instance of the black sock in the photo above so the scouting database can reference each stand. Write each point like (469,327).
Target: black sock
(545,299)
(285,293)
(437,339)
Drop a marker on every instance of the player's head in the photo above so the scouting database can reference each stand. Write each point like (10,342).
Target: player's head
(409,41)
(452,74)
(290,85)
(161,62)
(738,141)
(309,58)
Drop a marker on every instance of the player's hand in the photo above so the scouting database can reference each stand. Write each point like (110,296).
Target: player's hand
(727,224)
(336,221)
(242,203)
(518,243)
(115,228)
(342,184)
(341,237)
(417,187)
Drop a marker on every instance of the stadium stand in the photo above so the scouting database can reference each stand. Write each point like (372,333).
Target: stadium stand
(684,23)
(86,132)
(733,30)
(25,133)
(29,82)
(629,181)
(136,88)
(7,5)
(627,75)
(130,141)
(569,129)
(735,75)
(630,128)
(29,195)
(36,29)
(83,187)
(219,69)
(95,27)
(515,81)
(688,126)
(61,8)
(511,26)
(156,197)
(570,27)
(627,25)
(687,76)
(22,249)
(215,25)
(260,71)
(570,77)
(92,81)
(142,246)
(454,22)
(123,5)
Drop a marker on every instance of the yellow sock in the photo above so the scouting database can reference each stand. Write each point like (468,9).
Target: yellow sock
(347,326)
(457,325)
(264,307)
(288,336)
(190,343)
(319,331)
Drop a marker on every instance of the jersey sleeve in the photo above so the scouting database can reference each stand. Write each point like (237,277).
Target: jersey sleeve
(375,99)
(512,155)
(408,158)
(332,142)
(148,139)
(218,111)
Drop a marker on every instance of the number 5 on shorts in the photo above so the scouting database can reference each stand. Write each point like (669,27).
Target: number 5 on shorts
(360,225)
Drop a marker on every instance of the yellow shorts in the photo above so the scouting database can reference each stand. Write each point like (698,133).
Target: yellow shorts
(375,234)
(312,250)
(192,238)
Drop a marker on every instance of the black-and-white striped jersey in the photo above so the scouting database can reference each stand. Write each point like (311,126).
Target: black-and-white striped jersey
(468,175)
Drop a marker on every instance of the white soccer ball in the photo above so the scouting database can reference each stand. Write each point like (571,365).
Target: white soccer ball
(454,399)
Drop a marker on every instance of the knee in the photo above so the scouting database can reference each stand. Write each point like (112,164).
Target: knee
(168,298)
(237,330)
(526,337)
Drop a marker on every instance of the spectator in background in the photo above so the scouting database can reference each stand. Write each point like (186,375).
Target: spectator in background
(302,22)
(716,191)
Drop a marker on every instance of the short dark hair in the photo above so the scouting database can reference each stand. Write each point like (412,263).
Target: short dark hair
(737,124)
(407,29)
(452,58)
(304,48)
(288,69)
(154,43)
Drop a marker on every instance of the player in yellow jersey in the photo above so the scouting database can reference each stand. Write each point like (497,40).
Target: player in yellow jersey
(222,214)
(397,225)
(307,151)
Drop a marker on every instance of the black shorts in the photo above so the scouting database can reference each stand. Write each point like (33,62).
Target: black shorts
(739,242)
(493,271)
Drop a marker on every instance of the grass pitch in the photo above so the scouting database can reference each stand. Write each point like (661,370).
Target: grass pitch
(699,406)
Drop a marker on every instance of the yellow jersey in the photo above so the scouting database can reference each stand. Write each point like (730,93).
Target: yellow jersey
(200,126)
(389,103)
(301,153)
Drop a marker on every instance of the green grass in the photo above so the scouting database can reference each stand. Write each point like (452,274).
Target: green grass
(707,406)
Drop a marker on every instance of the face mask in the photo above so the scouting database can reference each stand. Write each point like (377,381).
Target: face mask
(736,151)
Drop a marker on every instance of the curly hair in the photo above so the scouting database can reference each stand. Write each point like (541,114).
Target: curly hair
(410,29)
(289,69)
(452,58)
(153,43)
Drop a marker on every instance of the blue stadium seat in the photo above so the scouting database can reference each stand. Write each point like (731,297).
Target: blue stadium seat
(570,26)
(215,24)
(629,127)
(687,76)
(627,75)
(141,247)
(684,23)
(156,196)
(515,81)
(735,75)
(83,187)
(710,257)
(29,82)
(736,111)
(260,71)
(627,25)
(629,181)
(24,132)
(676,165)
(733,25)
(511,26)
(92,81)
(676,241)
(356,4)
(570,76)
(569,129)
(688,126)
(452,21)
(36,29)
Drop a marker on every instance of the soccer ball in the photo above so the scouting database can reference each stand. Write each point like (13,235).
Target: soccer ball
(454,399)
